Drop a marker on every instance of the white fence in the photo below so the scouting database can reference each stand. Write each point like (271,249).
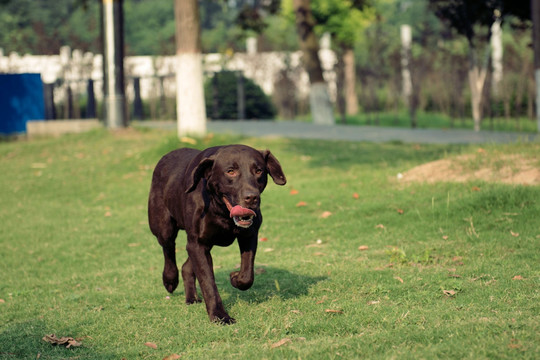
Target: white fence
(156,73)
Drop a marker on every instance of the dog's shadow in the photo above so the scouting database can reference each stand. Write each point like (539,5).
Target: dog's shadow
(269,282)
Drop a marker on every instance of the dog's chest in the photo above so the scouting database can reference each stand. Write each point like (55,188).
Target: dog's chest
(216,232)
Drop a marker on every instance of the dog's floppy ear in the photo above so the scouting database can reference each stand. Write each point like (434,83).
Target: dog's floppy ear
(274,168)
(200,171)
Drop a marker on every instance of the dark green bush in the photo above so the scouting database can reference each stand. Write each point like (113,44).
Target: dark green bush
(221,95)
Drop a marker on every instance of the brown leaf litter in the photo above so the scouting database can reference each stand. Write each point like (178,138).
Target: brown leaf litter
(64,341)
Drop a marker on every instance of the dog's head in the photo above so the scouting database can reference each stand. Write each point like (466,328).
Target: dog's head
(236,175)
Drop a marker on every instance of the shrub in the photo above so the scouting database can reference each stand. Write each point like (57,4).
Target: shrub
(221,97)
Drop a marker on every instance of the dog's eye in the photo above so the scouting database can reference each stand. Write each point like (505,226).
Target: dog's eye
(231,172)
(258,171)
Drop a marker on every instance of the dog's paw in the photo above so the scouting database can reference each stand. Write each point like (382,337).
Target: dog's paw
(170,286)
(193,300)
(170,282)
(239,282)
(170,278)
(223,319)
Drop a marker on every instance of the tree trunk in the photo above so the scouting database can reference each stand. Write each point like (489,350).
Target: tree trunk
(340,86)
(320,104)
(406,37)
(497,57)
(191,112)
(477,79)
(535,14)
(351,100)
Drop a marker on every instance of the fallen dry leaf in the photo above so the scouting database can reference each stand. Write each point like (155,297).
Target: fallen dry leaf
(301,203)
(400,211)
(150,345)
(475,188)
(281,342)
(64,341)
(172,357)
(449,293)
(319,254)
(325,214)
(373,302)
(263,239)
(332,311)
(517,277)
(445,237)
(2,301)
(379,226)
(363,247)
(398,279)
(514,234)
(356,196)
(293,192)
(260,270)
(108,214)
(188,140)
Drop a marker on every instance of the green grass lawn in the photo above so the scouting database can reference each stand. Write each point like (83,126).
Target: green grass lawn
(392,270)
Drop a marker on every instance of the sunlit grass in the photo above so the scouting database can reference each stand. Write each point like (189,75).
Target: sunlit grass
(444,270)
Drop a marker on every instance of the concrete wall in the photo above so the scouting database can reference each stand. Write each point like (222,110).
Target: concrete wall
(76,67)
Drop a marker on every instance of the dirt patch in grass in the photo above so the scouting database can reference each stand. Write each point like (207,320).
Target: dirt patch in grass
(508,169)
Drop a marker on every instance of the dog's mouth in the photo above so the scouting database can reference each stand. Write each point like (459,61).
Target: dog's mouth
(242,217)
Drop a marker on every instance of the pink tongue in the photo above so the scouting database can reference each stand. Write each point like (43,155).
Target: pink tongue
(241,211)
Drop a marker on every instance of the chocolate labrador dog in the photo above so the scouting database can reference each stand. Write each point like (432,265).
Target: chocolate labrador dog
(214,195)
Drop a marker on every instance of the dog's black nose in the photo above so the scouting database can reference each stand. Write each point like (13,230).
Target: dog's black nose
(251,199)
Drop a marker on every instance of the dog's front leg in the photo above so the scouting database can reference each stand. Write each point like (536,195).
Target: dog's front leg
(201,260)
(243,279)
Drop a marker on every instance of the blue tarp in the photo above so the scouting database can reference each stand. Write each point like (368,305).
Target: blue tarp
(21,99)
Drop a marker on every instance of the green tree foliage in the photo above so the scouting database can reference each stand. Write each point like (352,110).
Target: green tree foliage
(343,19)
(226,25)
(219,32)
(42,27)
(149,27)
(472,18)
(252,15)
